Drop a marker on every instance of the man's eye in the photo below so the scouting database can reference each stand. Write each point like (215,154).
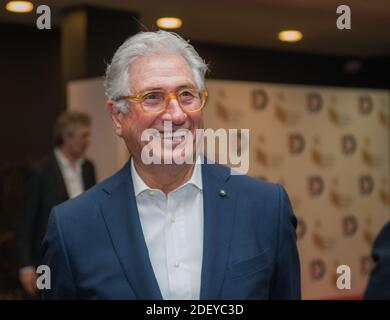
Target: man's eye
(153,96)
(187,94)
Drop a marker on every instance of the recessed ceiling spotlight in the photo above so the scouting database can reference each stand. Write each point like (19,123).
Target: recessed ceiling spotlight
(290,35)
(169,23)
(19,6)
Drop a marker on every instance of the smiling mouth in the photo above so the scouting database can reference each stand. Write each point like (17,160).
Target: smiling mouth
(169,135)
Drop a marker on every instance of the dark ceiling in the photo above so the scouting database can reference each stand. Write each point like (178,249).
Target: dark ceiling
(255,23)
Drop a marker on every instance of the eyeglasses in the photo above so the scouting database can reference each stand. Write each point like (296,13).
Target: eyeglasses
(156,101)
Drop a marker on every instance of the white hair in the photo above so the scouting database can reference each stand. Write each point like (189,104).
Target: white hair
(145,44)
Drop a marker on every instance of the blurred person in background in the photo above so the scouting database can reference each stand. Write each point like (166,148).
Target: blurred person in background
(379,283)
(61,175)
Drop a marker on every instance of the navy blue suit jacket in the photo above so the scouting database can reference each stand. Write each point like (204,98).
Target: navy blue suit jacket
(95,246)
(379,283)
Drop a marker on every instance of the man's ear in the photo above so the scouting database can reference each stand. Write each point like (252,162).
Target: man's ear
(116,117)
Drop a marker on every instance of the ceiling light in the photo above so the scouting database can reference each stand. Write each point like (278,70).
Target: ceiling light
(290,35)
(19,6)
(169,23)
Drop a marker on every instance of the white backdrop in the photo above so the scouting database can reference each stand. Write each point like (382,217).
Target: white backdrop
(328,146)
(107,151)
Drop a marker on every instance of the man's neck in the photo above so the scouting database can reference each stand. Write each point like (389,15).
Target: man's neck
(164,177)
(68,155)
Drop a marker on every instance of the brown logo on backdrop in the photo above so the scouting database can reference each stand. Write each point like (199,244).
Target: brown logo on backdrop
(317,269)
(286,116)
(369,158)
(365,104)
(320,240)
(366,184)
(225,113)
(261,154)
(283,114)
(265,158)
(368,235)
(384,195)
(348,144)
(349,225)
(259,99)
(383,117)
(366,265)
(314,102)
(320,158)
(296,143)
(337,198)
(337,117)
(315,185)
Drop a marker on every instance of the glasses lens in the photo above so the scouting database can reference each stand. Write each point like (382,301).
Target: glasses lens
(190,100)
(154,101)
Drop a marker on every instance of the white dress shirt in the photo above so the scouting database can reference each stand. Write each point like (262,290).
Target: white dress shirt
(72,175)
(173,230)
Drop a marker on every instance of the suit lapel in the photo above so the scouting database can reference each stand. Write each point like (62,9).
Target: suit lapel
(85,176)
(120,213)
(62,192)
(121,216)
(219,211)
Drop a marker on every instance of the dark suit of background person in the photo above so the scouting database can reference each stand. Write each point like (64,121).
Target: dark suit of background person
(45,187)
(379,282)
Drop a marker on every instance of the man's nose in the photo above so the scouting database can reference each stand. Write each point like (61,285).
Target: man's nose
(175,112)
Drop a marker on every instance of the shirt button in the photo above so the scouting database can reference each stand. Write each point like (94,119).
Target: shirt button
(151,192)
(173,219)
(177,264)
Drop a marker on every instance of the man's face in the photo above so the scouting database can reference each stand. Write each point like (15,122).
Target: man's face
(161,72)
(78,141)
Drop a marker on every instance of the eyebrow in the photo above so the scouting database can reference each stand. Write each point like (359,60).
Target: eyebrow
(183,86)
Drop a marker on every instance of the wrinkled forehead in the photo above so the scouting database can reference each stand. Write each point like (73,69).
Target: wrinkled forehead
(160,71)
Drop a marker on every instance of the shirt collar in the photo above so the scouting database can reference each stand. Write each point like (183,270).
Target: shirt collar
(195,180)
(63,161)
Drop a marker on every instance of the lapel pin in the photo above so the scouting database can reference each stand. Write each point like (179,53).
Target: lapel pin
(222,193)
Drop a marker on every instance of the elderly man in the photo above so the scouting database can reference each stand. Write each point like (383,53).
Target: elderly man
(164,230)
(63,174)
